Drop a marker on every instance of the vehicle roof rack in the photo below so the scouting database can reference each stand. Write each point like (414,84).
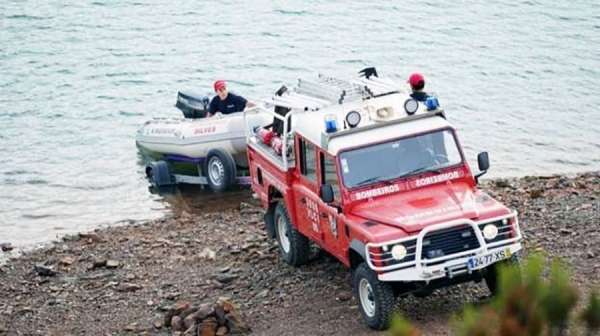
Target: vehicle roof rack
(312,95)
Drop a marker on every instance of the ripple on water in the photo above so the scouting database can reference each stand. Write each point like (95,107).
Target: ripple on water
(75,90)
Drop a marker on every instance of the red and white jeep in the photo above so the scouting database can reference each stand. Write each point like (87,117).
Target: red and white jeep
(381,182)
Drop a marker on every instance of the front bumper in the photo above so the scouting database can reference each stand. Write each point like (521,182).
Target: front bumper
(464,262)
(449,268)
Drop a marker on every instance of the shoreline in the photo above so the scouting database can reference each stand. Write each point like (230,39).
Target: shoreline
(184,256)
(57,235)
(18,250)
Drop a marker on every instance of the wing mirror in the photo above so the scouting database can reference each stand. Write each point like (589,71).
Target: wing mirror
(483,163)
(326,193)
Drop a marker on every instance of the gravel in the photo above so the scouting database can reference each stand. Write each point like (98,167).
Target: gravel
(122,279)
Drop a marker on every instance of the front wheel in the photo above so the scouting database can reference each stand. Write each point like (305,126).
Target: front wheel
(293,245)
(492,275)
(376,298)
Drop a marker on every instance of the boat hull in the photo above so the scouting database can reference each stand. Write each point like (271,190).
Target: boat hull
(194,138)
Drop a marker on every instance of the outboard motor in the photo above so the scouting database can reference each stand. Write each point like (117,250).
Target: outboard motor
(193,105)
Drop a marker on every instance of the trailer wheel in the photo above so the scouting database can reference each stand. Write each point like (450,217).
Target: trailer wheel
(220,170)
(376,298)
(158,174)
(293,245)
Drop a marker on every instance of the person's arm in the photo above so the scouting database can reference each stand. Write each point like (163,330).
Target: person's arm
(212,108)
(245,103)
(240,103)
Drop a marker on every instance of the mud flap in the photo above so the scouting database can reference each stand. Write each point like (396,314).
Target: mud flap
(268,218)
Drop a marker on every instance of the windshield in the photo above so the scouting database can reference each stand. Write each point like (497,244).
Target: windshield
(399,158)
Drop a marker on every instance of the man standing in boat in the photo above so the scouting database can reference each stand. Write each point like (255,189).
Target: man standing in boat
(226,102)
(417,85)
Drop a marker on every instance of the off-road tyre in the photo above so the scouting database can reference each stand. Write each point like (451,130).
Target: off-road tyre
(491,276)
(294,246)
(375,298)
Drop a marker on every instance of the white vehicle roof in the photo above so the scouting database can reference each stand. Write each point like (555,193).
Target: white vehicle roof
(312,101)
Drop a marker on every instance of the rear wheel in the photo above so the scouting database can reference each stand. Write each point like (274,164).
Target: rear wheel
(220,170)
(158,174)
(293,245)
(376,298)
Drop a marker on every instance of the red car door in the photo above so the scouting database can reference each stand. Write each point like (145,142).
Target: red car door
(307,210)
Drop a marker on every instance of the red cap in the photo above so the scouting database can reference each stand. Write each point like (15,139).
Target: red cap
(415,78)
(219,85)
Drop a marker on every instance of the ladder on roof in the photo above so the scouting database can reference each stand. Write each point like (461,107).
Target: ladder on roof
(310,95)
(332,89)
(377,87)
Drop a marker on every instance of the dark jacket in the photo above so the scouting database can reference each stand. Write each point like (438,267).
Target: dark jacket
(419,96)
(233,103)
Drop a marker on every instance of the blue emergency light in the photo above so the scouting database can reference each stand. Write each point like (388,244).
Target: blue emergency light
(330,123)
(431,103)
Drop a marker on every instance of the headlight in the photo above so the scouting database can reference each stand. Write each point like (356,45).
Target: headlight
(398,252)
(490,231)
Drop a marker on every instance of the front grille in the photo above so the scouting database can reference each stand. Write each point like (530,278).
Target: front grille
(440,243)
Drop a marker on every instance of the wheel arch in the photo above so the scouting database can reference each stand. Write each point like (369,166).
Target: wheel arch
(356,253)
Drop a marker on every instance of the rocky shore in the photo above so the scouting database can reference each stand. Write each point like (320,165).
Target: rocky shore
(133,279)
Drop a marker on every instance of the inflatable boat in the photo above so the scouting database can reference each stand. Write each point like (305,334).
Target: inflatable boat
(195,135)
(217,145)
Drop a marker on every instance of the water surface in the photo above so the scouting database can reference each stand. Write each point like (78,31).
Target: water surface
(519,79)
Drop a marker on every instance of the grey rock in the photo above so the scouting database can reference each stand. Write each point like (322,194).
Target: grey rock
(43,270)
(225,278)
(97,276)
(112,264)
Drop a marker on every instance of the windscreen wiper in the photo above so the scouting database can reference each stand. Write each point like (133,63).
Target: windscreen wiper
(372,180)
(420,170)
(388,180)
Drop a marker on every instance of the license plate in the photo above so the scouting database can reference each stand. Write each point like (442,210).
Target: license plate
(485,260)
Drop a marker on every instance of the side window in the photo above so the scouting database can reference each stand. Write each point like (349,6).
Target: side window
(308,165)
(328,175)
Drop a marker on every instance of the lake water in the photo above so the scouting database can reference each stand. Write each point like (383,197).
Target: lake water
(520,79)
